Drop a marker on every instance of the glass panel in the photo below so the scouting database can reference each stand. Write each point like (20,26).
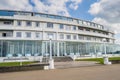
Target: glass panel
(19,23)
(49,25)
(28,23)
(18,34)
(6,13)
(61,26)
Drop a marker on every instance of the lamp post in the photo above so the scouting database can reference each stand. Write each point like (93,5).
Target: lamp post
(106,59)
(20,55)
(51,60)
(104,40)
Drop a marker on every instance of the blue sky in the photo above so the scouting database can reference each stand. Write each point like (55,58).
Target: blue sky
(105,12)
(82,11)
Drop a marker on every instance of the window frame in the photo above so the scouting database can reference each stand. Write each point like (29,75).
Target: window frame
(28,23)
(28,36)
(18,35)
(49,25)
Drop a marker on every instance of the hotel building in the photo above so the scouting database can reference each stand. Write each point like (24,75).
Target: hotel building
(28,34)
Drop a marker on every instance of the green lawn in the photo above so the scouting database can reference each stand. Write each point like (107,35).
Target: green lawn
(99,60)
(114,58)
(14,63)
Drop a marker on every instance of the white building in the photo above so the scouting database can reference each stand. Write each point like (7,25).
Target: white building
(27,33)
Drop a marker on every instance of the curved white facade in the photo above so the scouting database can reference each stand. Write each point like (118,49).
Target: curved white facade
(28,33)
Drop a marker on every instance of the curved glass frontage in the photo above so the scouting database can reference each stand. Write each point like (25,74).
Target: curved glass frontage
(42,48)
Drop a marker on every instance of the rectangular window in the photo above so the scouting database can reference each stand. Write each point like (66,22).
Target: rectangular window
(80,22)
(68,27)
(19,23)
(4,35)
(81,37)
(7,22)
(64,18)
(80,28)
(28,23)
(70,19)
(28,34)
(88,38)
(50,16)
(68,36)
(58,17)
(18,34)
(37,24)
(37,35)
(61,26)
(74,28)
(50,35)
(88,30)
(74,36)
(49,25)
(61,36)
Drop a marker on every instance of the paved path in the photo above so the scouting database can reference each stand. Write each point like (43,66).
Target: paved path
(72,64)
(105,72)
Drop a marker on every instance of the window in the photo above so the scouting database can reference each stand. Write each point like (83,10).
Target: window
(88,30)
(28,34)
(74,36)
(28,23)
(7,22)
(70,19)
(51,16)
(85,23)
(19,23)
(50,35)
(74,27)
(81,37)
(7,34)
(37,24)
(80,22)
(68,36)
(4,34)
(68,27)
(64,18)
(37,35)
(80,28)
(61,36)
(58,17)
(61,26)
(43,15)
(18,34)
(88,38)
(49,25)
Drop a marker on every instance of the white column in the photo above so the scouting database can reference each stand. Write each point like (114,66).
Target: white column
(106,59)
(58,49)
(51,60)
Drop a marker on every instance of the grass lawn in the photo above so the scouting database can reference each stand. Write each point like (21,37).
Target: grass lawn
(99,60)
(14,63)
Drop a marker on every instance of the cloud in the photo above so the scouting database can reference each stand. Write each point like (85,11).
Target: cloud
(51,6)
(107,12)
(45,6)
(75,4)
(15,5)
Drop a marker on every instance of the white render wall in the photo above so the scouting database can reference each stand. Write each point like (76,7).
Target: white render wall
(44,30)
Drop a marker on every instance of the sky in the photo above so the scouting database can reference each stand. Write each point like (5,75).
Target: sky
(105,12)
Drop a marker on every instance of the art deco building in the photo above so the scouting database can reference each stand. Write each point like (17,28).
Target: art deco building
(28,34)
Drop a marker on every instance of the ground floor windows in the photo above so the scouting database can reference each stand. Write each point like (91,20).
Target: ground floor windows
(42,48)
